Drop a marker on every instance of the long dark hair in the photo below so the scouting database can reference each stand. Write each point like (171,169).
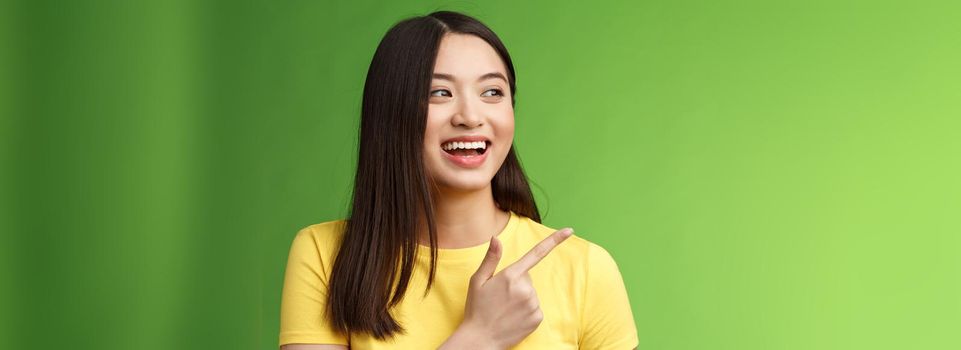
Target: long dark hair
(391,197)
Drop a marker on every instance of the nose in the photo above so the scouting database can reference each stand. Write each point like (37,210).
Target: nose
(466,115)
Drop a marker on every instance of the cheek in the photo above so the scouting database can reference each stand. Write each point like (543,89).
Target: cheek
(431,131)
(504,124)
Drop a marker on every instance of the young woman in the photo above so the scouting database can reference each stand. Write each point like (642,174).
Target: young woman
(441,205)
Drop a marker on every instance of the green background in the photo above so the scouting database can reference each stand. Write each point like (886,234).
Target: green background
(767,175)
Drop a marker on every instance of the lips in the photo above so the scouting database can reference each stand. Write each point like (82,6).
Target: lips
(466,151)
(472,138)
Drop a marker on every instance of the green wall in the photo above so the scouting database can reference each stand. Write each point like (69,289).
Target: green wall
(767,176)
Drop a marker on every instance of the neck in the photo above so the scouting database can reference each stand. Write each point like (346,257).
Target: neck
(465,219)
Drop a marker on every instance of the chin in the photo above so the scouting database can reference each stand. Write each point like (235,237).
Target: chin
(464,184)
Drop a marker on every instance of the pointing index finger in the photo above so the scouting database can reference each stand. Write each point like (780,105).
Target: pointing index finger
(536,254)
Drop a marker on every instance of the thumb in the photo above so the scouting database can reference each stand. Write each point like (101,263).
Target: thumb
(487,267)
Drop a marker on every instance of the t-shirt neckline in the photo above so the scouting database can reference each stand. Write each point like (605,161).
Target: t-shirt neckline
(473,252)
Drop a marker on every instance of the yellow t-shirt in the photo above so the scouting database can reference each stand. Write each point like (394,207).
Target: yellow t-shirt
(579,287)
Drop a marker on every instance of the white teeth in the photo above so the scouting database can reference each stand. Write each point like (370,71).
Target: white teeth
(464,145)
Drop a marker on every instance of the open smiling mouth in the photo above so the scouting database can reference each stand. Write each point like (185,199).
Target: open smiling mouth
(466,149)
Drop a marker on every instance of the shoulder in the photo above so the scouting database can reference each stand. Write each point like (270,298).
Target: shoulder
(319,239)
(325,230)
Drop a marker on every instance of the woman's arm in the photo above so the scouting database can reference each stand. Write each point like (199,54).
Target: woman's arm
(314,347)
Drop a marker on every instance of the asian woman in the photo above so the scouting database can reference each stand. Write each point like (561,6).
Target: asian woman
(441,205)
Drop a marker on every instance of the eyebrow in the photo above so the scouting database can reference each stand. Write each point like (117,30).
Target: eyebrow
(491,75)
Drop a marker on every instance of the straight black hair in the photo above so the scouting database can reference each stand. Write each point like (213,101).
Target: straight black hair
(391,196)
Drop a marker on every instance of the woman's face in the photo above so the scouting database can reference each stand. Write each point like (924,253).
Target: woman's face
(470,119)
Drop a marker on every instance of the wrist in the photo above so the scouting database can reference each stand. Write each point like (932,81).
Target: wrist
(468,337)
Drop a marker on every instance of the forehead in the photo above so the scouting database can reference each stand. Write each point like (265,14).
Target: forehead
(467,56)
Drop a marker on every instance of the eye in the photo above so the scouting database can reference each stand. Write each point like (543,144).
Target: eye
(440,93)
(496,92)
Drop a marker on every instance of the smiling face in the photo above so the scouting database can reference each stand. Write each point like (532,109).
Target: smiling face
(470,118)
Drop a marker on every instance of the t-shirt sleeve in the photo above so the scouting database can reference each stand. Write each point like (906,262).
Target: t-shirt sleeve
(606,320)
(304,297)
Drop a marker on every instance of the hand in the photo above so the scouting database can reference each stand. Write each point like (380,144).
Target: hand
(504,308)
